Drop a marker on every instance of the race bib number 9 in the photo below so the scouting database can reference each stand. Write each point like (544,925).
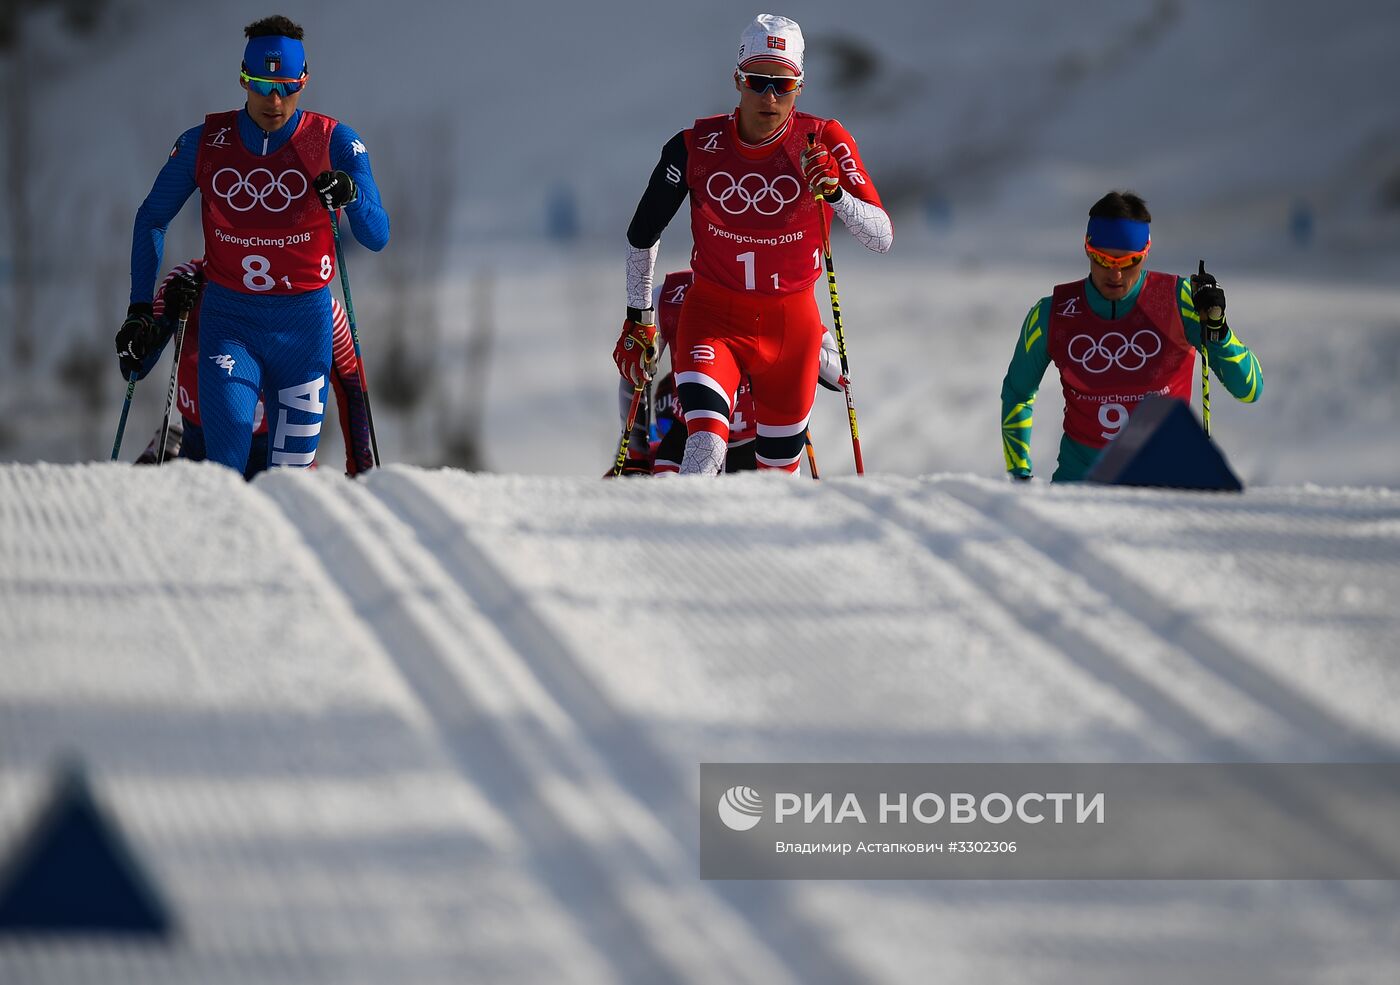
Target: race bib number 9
(1112,417)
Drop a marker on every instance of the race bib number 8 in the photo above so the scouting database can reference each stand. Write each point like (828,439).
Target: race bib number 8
(255,273)
(325,267)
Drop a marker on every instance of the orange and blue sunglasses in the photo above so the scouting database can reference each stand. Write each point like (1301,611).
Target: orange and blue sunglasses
(266,87)
(782,85)
(1126,262)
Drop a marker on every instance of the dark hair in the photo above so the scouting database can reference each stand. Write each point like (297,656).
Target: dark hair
(1121,205)
(277,26)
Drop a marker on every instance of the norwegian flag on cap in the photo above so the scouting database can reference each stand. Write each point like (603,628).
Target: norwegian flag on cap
(772,38)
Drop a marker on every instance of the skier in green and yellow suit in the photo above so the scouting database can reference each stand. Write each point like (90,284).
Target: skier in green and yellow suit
(1117,336)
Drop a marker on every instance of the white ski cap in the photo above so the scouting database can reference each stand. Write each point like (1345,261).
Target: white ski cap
(772,38)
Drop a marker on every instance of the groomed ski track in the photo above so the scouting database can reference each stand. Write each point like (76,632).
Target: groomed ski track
(436,726)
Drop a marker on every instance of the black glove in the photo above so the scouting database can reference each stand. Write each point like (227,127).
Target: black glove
(181,294)
(335,189)
(1209,298)
(136,337)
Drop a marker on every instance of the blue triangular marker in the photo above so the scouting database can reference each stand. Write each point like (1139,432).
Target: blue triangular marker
(73,872)
(1163,445)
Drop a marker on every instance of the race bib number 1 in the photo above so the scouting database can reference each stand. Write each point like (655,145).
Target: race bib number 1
(747,261)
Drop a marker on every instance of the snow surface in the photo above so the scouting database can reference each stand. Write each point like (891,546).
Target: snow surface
(437,726)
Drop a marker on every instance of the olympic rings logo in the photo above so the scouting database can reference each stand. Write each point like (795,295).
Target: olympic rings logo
(275,194)
(1114,349)
(753,191)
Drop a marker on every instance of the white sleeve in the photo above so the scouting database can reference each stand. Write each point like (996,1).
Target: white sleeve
(641,271)
(867,222)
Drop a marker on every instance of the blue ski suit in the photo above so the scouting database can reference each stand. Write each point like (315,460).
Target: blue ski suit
(252,343)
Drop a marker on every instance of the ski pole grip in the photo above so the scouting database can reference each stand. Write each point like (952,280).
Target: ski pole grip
(1215,313)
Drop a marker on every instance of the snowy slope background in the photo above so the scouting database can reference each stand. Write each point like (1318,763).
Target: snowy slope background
(437,726)
(511,151)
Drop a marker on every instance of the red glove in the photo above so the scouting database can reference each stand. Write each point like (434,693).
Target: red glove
(635,351)
(822,172)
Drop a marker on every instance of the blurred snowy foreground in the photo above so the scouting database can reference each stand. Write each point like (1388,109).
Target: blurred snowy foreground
(435,726)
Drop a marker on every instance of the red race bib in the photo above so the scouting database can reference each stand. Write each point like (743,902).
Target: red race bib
(754,223)
(1108,367)
(265,232)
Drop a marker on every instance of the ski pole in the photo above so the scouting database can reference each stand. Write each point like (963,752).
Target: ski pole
(354,334)
(627,428)
(126,409)
(1205,388)
(840,335)
(811,455)
(641,388)
(1198,280)
(170,393)
(649,402)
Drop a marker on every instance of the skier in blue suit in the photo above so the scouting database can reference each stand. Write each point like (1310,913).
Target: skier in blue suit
(267,174)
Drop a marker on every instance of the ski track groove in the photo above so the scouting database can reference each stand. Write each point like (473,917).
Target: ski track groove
(630,755)
(1175,626)
(145,575)
(402,612)
(1098,661)
(585,844)
(1093,659)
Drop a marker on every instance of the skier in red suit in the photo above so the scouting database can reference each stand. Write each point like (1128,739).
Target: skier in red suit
(763,183)
(663,455)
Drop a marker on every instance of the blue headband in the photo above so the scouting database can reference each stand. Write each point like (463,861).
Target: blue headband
(1118,234)
(275,57)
